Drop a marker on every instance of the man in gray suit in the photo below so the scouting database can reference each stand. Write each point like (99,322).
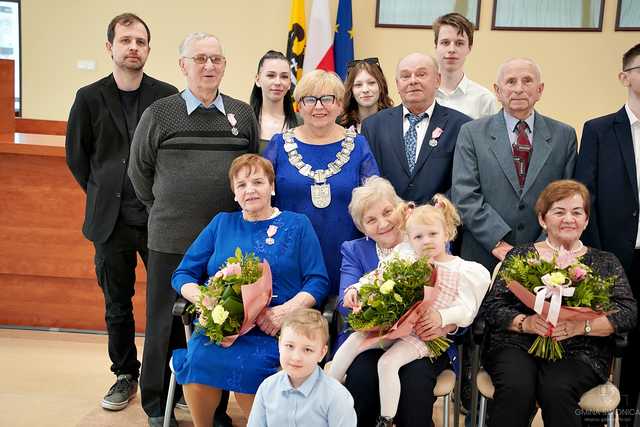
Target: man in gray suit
(503,162)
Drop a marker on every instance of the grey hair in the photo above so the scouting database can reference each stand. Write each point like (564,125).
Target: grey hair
(374,190)
(191,37)
(536,68)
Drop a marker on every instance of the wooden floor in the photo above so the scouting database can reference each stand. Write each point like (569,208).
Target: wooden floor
(55,379)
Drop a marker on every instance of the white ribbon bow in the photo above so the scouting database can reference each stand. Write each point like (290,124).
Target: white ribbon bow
(555,293)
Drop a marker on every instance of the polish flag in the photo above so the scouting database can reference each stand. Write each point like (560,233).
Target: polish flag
(319,50)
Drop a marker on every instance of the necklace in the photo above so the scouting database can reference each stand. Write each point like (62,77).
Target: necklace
(383,252)
(274,213)
(571,251)
(320,189)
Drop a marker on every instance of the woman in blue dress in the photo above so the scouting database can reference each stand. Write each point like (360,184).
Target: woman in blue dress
(319,163)
(288,242)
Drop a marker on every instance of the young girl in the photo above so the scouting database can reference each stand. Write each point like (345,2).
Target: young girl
(366,93)
(271,97)
(462,287)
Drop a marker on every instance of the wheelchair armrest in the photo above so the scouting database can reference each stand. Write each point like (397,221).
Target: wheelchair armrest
(180,308)
(329,308)
(478,328)
(621,341)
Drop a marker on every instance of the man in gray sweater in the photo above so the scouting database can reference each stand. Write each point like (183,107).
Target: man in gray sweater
(180,155)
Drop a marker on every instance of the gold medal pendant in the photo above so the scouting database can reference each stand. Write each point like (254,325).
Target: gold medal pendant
(321,195)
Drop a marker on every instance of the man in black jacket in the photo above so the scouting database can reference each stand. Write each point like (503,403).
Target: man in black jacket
(608,165)
(101,124)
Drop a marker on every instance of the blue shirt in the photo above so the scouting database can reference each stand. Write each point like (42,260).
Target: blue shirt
(511,126)
(193,102)
(320,401)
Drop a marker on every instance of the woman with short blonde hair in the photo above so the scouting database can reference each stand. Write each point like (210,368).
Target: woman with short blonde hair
(319,163)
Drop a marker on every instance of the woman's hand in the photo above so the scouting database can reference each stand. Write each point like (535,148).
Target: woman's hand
(434,333)
(427,329)
(536,325)
(568,329)
(433,319)
(351,300)
(270,320)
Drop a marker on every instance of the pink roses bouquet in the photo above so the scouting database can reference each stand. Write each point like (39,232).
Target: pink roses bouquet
(574,290)
(232,299)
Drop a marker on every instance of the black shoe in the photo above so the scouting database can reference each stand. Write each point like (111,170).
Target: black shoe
(159,422)
(223,420)
(119,395)
(384,421)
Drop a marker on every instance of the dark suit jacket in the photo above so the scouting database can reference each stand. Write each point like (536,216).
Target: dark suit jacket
(486,190)
(606,165)
(97,147)
(432,172)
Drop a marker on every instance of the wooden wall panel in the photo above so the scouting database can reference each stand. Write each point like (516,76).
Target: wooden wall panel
(43,127)
(53,302)
(7,101)
(47,275)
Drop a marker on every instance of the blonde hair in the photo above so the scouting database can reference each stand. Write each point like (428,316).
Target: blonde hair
(319,81)
(307,322)
(374,190)
(441,210)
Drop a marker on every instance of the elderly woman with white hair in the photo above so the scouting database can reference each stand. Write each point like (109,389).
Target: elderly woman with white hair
(380,213)
(319,163)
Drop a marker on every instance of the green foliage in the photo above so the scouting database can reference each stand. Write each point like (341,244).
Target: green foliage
(384,309)
(590,290)
(224,289)
(593,291)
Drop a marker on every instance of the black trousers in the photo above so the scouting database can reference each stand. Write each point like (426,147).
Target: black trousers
(630,377)
(521,379)
(115,262)
(417,380)
(164,333)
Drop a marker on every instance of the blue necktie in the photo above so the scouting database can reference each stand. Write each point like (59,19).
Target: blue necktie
(411,138)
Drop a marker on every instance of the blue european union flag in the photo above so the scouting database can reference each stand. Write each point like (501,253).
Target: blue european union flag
(343,40)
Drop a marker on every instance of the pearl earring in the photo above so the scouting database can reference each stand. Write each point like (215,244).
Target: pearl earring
(273,193)
(235,199)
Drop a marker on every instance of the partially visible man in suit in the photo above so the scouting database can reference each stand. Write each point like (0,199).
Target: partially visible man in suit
(503,162)
(608,164)
(101,124)
(413,143)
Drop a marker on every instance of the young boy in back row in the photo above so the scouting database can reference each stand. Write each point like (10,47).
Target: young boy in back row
(301,394)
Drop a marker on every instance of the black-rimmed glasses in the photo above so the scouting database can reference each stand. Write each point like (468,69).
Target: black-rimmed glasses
(216,60)
(632,68)
(370,61)
(311,101)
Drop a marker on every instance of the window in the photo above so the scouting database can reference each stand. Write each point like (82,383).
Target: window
(10,42)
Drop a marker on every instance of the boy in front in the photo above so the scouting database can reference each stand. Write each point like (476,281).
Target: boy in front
(301,394)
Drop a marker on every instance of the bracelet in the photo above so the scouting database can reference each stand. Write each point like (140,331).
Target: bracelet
(521,323)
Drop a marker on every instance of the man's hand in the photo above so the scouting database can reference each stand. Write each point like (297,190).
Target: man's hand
(501,250)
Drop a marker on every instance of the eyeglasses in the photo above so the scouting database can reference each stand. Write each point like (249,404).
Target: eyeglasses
(632,68)
(371,61)
(216,60)
(311,101)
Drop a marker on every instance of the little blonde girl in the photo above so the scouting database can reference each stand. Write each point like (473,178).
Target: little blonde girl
(462,285)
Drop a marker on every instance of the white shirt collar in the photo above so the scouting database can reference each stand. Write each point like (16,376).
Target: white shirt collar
(429,110)
(632,117)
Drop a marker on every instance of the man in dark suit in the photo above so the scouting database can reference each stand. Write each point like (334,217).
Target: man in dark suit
(101,125)
(503,162)
(413,143)
(608,166)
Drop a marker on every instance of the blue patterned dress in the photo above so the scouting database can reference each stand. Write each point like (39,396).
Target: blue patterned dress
(332,224)
(296,265)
